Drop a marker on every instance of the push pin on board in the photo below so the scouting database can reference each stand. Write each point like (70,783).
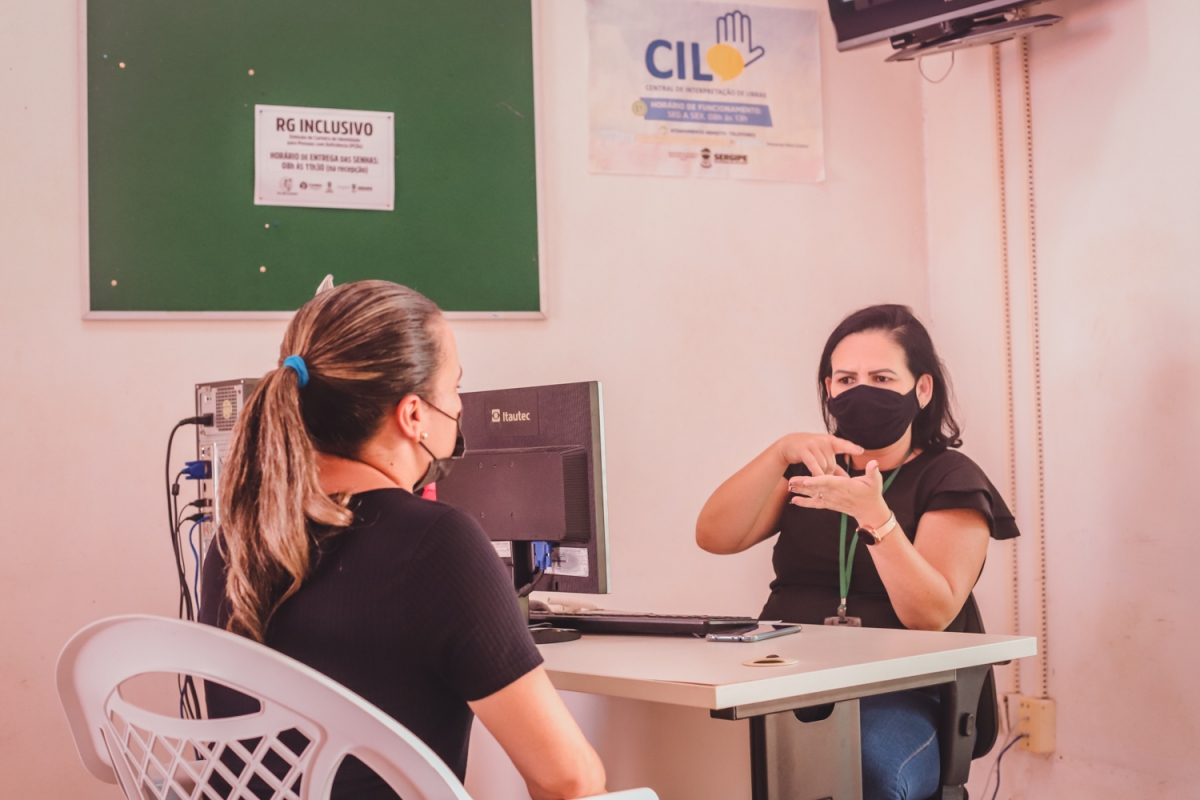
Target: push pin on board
(262,269)
(114,283)
(250,72)
(121,65)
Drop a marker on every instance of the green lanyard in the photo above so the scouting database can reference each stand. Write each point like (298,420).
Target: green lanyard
(845,567)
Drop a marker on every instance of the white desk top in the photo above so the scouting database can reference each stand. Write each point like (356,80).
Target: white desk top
(694,672)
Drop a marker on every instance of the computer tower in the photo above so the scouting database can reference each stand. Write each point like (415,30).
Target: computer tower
(225,401)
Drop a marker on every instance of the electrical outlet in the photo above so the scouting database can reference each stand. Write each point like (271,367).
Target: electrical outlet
(1009,705)
(1035,719)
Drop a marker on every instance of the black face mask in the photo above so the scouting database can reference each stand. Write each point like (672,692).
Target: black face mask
(871,417)
(440,467)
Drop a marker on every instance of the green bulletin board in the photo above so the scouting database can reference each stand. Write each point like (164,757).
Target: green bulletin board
(172,227)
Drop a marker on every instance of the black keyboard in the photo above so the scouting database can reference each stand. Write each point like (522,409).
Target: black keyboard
(615,622)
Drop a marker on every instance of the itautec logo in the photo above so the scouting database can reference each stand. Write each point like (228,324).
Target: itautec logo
(510,416)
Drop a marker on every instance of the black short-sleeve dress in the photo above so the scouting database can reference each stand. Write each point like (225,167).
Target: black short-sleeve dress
(411,609)
(806,589)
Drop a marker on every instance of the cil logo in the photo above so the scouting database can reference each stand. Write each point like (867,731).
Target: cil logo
(706,158)
(733,51)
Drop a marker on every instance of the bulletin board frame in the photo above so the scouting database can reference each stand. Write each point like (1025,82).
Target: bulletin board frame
(89,312)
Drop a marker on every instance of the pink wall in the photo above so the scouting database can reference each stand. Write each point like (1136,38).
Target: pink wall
(1114,92)
(86,409)
(701,307)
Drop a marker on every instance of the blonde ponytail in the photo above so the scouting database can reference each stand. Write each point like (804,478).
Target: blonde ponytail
(366,345)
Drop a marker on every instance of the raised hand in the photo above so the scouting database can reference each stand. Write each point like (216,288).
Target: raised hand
(734,29)
(817,451)
(860,497)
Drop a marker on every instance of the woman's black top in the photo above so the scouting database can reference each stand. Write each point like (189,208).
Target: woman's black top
(410,608)
(806,588)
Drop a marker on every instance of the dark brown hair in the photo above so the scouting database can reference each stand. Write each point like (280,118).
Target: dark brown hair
(935,427)
(366,346)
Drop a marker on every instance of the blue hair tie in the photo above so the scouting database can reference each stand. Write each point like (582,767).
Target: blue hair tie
(297,363)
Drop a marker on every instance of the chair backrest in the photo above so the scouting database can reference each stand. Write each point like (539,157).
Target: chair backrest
(290,749)
(987,716)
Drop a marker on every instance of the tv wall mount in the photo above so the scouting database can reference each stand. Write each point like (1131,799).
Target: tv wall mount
(963,32)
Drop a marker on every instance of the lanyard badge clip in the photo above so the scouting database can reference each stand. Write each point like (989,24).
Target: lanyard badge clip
(846,565)
(842,619)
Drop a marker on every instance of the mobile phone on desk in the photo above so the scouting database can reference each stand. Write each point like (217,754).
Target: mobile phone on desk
(755,636)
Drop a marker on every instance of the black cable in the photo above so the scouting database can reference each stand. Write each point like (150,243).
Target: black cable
(206,419)
(172,504)
(1007,747)
(527,588)
(185,598)
(189,701)
(185,611)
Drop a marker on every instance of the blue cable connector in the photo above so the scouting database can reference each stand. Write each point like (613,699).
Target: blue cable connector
(197,470)
(541,556)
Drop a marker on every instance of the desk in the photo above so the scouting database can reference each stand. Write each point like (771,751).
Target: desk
(835,665)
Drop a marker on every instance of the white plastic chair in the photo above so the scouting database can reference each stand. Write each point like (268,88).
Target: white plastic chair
(156,757)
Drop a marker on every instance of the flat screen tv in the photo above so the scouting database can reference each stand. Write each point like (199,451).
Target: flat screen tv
(921,27)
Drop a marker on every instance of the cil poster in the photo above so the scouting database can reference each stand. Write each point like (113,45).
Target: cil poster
(705,90)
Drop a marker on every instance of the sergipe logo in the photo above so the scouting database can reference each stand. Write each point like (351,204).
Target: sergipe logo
(727,58)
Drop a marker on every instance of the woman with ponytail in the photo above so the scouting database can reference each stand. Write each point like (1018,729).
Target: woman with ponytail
(326,553)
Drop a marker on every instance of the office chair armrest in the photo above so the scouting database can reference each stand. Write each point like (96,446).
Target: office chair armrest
(956,729)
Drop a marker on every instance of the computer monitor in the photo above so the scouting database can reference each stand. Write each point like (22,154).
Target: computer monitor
(533,477)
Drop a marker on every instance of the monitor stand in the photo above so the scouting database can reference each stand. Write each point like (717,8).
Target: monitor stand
(553,635)
(542,635)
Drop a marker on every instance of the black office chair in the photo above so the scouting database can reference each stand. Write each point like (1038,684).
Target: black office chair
(969,716)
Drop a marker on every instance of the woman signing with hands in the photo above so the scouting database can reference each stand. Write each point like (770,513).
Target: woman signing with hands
(886,476)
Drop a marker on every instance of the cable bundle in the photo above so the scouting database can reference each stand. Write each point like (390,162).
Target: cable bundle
(189,598)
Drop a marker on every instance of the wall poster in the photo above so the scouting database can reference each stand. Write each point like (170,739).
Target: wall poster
(324,158)
(706,90)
